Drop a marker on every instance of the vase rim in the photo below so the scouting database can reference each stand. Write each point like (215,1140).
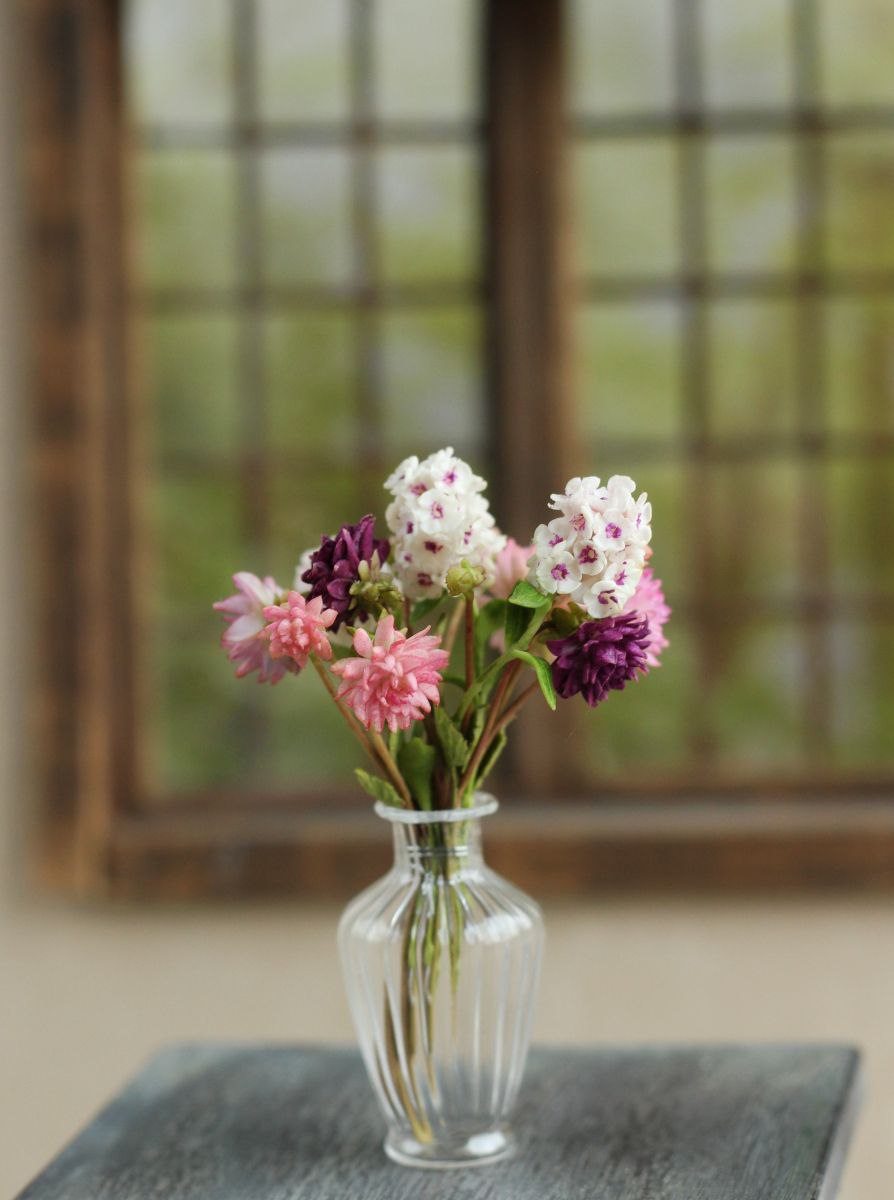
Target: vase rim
(484,805)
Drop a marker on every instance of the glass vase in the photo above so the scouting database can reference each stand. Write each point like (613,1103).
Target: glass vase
(441,959)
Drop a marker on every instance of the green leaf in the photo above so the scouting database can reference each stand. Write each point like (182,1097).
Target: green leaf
(521,625)
(416,760)
(523,622)
(517,619)
(527,596)
(454,746)
(378,788)
(543,673)
(457,681)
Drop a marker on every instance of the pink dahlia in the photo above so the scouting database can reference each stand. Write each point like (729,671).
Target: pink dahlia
(648,601)
(243,639)
(510,568)
(394,680)
(297,628)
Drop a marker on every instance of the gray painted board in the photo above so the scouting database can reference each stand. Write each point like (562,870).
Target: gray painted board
(243,1122)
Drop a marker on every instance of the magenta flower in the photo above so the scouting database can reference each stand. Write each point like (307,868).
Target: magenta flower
(600,656)
(297,628)
(648,601)
(243,639)
(510,568)
(335,566)
(394,680)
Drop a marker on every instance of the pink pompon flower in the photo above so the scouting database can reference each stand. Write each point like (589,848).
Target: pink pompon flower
(648,601)
(297,628)
(510,568)
(394,680)
(243,639)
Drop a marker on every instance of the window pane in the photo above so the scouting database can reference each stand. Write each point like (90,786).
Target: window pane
(859,342)
(303,506)
(629,371)
(192,390)
(197,541)
(303,59)
(198,703)
(310,385)
(626,207)
(426,62)
(751,197)
(307,216)
(860,495)
(860,231)
(307,742)
(621,55)
(432,385)
(428,201)
(179,61)
(187,218)
(265,739)
(648,724)
(753,518)
(753,367)
(748,53)
(755,705)
(863,699)
(858,51)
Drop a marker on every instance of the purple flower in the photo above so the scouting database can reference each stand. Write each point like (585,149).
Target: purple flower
(335,567)
(600,656)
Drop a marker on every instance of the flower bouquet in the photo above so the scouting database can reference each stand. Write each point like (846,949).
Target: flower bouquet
(429,642)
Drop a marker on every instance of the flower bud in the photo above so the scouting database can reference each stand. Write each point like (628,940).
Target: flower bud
(377,593)
(464,579)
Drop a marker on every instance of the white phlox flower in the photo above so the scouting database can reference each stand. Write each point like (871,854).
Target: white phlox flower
(438,519)
(594,552)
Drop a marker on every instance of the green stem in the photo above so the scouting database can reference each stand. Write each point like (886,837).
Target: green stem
(470,655)
(495,723)
(470,641)
(391,768)
(351,721)
(371,743)
(470,693)
(453,627)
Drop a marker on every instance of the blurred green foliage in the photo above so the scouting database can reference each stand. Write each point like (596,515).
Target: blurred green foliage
(731,536)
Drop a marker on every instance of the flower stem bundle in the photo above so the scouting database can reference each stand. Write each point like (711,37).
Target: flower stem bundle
(431,640)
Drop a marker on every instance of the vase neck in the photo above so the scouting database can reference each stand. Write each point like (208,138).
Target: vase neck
(452,846)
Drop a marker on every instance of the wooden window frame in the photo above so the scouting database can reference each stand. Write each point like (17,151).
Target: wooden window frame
(95,837)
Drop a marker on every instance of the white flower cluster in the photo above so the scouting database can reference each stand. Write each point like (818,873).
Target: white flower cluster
(438,519)
(595,551)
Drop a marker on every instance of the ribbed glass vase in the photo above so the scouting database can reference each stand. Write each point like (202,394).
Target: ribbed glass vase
(441,960)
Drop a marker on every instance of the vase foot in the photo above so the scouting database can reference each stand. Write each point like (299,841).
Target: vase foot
(478,1150)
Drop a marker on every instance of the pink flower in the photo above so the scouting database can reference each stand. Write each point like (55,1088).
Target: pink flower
(510,567)
(648,600)
(297,628)
(243,639)
(395,679)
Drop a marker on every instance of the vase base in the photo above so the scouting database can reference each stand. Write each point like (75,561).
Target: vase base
(479,1150)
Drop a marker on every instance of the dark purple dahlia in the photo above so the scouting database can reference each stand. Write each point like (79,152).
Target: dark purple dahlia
(600,657)
(334,568)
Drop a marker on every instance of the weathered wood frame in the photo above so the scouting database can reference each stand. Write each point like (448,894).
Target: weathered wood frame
(96,838)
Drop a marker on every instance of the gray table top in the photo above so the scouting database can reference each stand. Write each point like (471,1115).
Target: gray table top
(247,1122)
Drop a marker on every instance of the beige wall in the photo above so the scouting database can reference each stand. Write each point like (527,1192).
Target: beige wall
(86,993)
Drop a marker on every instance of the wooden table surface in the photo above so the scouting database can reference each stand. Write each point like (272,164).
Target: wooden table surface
(248,1122)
